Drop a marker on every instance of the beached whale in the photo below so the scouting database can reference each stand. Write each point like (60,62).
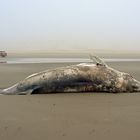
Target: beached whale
(84,77)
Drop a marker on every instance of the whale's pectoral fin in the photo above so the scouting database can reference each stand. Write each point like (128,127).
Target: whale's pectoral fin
(98,60)
(38,90)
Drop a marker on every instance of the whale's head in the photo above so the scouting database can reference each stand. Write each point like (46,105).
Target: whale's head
(131,84)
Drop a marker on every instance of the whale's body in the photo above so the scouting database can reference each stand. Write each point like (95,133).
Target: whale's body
(84,77)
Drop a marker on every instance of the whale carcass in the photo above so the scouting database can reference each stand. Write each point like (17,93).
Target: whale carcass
(83,77)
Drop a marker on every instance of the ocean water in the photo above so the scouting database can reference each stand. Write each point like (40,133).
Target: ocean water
(58,60)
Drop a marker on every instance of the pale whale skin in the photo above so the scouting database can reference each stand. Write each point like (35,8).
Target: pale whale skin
(84,77)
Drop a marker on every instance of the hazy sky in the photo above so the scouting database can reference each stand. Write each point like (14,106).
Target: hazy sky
(65,24)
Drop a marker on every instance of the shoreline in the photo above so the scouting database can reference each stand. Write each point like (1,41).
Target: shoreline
(34,60)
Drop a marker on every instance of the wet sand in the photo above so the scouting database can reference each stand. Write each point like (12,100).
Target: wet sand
(98,116)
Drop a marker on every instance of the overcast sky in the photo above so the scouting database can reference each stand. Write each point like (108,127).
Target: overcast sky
(65,24)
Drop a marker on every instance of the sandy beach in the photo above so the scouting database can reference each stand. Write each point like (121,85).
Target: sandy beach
(68,116)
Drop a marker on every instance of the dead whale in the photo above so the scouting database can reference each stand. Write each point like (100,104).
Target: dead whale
(84,77)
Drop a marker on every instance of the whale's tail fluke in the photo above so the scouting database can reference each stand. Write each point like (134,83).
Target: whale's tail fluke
(98,60)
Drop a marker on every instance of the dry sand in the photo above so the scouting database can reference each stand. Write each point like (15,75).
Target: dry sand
(86,116)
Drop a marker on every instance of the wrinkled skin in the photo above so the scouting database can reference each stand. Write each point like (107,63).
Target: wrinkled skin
(85,77)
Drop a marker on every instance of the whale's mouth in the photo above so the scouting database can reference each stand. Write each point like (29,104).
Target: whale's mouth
(137,90)
(136,86)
